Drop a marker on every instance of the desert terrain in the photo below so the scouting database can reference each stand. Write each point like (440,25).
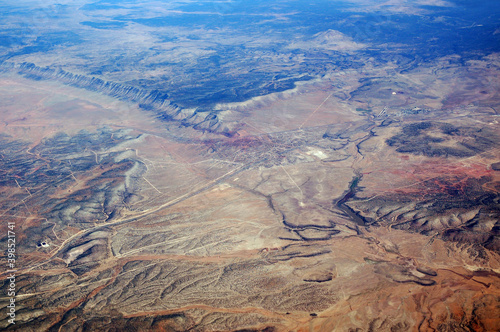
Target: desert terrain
(317,187)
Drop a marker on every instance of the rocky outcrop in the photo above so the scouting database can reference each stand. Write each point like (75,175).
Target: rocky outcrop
(439,139)
(155,101)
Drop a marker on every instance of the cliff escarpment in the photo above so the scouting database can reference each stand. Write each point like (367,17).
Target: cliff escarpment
(153,101)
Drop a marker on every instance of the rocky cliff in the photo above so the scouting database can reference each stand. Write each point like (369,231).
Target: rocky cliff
(153,101)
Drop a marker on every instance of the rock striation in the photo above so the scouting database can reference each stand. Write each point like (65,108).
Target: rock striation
(154,101)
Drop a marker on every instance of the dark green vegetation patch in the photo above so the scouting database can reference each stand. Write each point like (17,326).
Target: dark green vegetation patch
(436,139)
